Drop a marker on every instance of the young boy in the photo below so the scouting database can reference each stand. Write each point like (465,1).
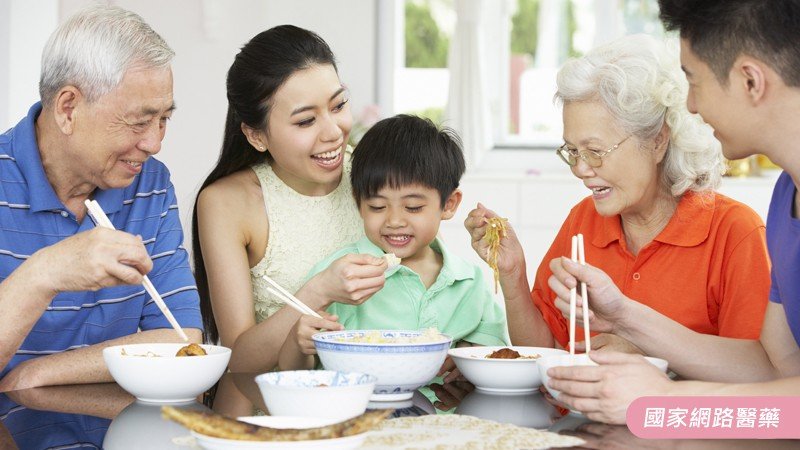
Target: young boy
(405,180)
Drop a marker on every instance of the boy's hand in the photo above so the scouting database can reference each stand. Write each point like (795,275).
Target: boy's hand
(352,279)
(449,371)
(307,326)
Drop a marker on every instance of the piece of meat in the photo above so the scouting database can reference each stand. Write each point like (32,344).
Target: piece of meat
(504,353)
(191,350)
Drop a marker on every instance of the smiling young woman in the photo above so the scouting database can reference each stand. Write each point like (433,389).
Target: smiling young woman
(279,198)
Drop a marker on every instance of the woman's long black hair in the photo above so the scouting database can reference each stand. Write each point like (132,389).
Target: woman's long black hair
(259,69)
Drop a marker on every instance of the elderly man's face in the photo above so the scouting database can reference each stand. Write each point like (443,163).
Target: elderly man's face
(124,127)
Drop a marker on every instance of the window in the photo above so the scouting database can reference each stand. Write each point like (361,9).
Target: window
(523,43)
(544,33)
(423,79)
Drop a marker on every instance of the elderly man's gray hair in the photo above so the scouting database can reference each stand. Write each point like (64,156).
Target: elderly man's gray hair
(94,48)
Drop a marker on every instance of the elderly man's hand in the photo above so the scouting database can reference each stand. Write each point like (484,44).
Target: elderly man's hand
(92,260)
(603,393)
(606,301)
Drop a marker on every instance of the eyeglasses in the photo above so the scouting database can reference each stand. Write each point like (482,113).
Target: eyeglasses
(593,158)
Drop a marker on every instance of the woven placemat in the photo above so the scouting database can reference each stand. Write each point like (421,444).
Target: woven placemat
(463,432)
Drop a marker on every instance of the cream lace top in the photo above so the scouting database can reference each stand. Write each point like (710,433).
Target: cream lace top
(302,231)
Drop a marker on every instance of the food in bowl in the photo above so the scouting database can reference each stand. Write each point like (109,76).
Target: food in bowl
(162,377)
(316,393)
(507,353)
(380,337)
(508,376)
(402,360)
(191,350)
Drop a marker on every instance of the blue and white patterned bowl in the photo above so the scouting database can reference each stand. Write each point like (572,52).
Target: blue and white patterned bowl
(316,393)
(402,360)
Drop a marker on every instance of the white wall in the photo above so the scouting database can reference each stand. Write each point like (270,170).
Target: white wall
(206,35)
(24,29)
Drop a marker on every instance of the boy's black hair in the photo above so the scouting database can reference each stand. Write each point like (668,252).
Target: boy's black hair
(721,30)
(403,150)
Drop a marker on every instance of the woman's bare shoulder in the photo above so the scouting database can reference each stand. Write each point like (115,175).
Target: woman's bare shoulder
(235,194)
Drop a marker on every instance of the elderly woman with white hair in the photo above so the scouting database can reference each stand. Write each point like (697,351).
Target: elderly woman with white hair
(653,222)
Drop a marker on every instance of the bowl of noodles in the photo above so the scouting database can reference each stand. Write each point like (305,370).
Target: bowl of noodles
(402,360)
(166,373)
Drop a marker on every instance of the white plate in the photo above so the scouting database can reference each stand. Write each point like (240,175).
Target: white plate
(391,397)
(349,442)
(500,391)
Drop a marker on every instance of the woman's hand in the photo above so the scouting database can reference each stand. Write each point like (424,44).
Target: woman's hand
(510,255)
(308,325)
(351,279)
(606,302)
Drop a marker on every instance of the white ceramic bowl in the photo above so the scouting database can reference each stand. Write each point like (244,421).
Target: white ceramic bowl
(325,394)
(527,410)
(501,376)
(126,430)
(163,377)
(401,367)
(581,359)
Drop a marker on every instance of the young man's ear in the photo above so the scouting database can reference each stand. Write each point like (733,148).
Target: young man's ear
(451,205)
(256,138)
(753,76)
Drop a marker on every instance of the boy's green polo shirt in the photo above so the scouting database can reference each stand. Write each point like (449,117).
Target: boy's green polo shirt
(459,303)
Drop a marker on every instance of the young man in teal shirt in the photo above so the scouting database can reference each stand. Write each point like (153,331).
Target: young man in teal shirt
(405,180)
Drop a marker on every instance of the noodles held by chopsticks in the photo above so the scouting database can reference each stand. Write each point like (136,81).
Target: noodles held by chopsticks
(495,231)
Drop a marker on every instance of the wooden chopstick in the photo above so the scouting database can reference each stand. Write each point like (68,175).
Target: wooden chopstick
(579,256)
(285,296)
(584,296)
(100,218)
(573,300)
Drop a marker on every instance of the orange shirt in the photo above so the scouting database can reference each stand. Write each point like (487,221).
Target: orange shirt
(708,269)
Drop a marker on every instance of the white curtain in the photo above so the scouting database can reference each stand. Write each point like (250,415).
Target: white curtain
(468,103)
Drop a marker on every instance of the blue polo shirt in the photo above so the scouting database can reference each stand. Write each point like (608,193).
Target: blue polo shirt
(32,217)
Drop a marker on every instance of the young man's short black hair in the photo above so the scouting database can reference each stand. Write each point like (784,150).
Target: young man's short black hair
(721,30)
(403,150)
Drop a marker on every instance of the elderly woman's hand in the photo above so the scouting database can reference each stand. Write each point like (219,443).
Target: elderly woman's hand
(603,393)
(510,257)
(606,302)
(610,343)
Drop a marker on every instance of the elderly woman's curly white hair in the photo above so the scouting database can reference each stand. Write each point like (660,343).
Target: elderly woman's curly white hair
(639,81)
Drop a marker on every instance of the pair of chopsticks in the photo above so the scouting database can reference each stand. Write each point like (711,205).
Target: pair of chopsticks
(286,297)
(578,256)
(101,220)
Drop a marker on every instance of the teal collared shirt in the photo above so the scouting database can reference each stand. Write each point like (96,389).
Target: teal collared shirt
(459,303)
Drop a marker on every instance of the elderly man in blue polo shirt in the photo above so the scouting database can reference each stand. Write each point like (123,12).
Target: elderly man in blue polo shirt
(70,289)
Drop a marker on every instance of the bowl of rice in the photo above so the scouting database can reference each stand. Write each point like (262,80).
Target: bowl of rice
(402,360)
